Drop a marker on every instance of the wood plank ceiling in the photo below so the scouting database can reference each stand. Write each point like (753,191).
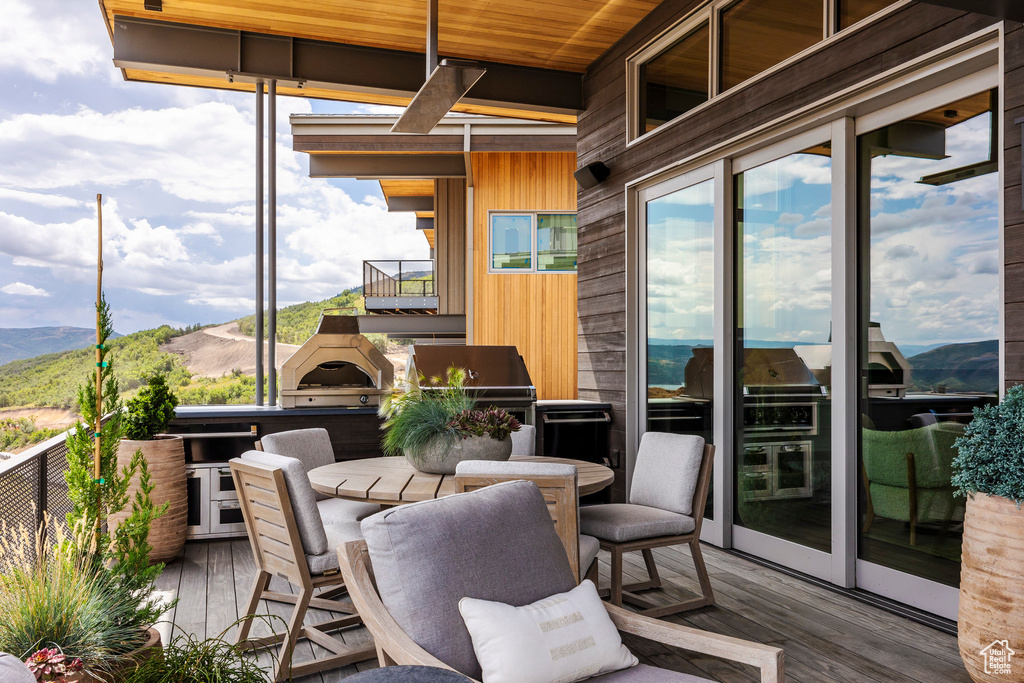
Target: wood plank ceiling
(411,188)
(555,34)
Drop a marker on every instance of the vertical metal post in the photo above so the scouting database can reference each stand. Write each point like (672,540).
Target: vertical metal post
(272,242)
(259,243)
(431,36)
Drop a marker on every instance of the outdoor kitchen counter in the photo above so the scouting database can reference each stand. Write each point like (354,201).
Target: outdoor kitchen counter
(219,433)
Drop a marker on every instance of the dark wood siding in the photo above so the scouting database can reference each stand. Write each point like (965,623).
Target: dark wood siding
(908,33)
(1013,238)
(450,244)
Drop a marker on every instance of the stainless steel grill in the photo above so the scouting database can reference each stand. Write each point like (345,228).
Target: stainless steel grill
(496,375)
(337,366)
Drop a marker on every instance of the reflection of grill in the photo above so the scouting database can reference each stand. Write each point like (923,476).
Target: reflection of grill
(495,375)
(337,366)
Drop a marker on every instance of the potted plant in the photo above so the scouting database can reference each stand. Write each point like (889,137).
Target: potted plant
(989,469)
(437,426)
(109,562)
(147,416)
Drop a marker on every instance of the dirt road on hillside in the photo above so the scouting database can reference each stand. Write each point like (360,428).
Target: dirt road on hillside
(218,351)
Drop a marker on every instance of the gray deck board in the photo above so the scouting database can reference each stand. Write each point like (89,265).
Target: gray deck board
(827,636)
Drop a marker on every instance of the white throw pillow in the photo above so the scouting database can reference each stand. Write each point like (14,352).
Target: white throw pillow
(567,637)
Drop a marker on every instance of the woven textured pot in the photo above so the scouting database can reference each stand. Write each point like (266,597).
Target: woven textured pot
(440,457)
(166,457)
(152,647)
(992,587)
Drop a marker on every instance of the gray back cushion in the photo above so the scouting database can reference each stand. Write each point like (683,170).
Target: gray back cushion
(524,442)
(307,516)
(496,543)
(666,471)
(311,447)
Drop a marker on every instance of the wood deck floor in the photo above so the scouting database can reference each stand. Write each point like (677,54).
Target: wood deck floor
(827,636)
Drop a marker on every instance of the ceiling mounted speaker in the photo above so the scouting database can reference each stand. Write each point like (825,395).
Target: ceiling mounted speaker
(590,175)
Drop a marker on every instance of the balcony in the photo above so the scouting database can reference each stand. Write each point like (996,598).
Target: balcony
(400,287)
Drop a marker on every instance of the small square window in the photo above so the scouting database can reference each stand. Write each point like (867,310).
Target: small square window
(537,242)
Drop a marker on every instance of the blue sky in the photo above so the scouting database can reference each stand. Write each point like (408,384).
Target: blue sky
(175,167)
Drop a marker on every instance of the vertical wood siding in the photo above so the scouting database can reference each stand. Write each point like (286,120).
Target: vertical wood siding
(535,312)
(450,223)
(908,33)
(1013,235)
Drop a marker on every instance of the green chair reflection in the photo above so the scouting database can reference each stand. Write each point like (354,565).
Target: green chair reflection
(907,475)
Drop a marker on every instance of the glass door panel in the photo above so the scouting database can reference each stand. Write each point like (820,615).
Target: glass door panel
(929,331)
(680,314)
(783,313)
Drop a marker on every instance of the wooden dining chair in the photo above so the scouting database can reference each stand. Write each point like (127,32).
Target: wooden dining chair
(290,541)
(666,507)
(558,484)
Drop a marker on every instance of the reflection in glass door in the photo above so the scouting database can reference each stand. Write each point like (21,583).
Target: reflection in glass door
(783,353)
(680,314)
(929,331)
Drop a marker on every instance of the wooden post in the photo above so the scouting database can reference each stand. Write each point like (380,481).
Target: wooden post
(99,359)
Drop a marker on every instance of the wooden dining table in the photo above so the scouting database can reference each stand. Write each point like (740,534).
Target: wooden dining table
(393,481)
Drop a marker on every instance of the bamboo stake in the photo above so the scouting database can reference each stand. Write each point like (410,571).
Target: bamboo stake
(99,359)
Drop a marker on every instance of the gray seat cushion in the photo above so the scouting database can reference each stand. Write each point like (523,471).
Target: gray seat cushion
(338,534)
(335,510)
(524,442)
(515,468)
(589,547)
(666,471)
(311,447)
(648,674)
(496,543)
(13,670)
(620,522)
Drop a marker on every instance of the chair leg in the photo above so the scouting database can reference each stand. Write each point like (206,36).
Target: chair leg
(654,580)
(259,585)
(615,596)
(706,598)
(702,572)
(283,669)
(592,572)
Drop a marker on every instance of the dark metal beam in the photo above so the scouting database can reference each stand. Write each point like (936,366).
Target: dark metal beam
(398,204)
(343,142)
(387,166)
(424,223)
(154,45)
(1004,9)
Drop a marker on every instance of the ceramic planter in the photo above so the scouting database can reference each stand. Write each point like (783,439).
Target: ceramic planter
(992,588)
(152,647)
(441,456)
(166,457)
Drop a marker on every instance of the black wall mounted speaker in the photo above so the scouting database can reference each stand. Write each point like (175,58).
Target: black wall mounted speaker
(591,174)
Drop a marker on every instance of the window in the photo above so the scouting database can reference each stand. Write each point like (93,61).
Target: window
(723,45)
(758,34)
(675,81)
(533,242)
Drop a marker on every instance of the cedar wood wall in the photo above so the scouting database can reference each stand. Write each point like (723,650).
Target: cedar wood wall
(910,32)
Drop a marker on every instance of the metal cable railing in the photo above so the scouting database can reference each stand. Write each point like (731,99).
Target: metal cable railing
(398,278)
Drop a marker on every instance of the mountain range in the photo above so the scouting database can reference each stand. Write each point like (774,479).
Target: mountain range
(27,342)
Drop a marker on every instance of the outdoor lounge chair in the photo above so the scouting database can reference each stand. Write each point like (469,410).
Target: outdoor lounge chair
(907,475)
(496,543)
(666,502)
(558,485)
(312,447)
(290,541)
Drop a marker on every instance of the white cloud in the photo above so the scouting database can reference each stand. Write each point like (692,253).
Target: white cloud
(48,38)
(22,289)
(49,201)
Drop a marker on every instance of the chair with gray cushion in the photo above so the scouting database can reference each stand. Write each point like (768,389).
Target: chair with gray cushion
(312,447)
(289,540)
(559,486)
(524,441)
(666,502)
(495,543)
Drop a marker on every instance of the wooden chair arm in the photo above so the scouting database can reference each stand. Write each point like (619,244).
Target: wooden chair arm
(394,646)
(768,659)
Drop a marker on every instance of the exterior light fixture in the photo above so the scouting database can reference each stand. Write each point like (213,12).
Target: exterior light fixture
(154,5)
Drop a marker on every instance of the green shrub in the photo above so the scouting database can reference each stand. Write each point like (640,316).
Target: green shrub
(186,659)
(991,457)
(151,411)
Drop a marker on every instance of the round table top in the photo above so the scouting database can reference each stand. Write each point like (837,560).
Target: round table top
(393,481)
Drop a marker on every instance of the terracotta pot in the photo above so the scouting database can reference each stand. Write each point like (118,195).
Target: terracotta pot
(166,457)
(440,456)
(150,648)
(992,588)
